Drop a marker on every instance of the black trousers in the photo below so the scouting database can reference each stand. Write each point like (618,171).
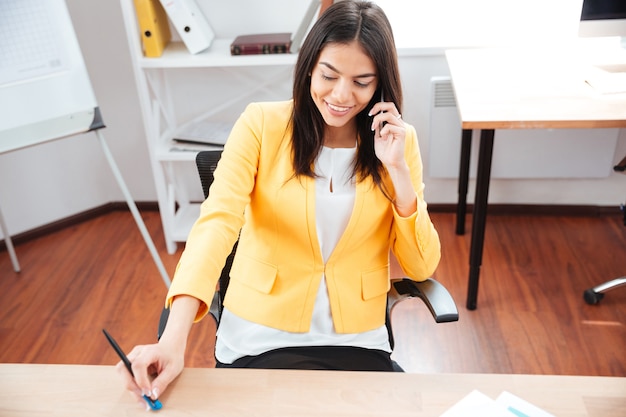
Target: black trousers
(340,358)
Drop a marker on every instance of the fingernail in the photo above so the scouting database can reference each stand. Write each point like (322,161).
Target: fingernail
(155,394)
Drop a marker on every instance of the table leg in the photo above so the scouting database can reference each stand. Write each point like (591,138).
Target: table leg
(480,214)
(461,207)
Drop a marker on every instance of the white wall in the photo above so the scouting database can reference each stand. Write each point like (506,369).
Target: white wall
(58,179)
(49,182)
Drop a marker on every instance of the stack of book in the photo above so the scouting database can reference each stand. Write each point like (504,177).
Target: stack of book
(266,43)
(276,43)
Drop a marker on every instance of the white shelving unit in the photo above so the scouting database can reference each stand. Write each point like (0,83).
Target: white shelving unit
(159,84)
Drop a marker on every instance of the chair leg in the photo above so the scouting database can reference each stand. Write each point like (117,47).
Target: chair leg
(396,367)
(595,294)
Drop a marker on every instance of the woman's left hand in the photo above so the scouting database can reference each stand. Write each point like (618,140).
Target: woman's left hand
(388,139)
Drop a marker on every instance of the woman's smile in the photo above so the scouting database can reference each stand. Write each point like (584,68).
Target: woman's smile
(338,111)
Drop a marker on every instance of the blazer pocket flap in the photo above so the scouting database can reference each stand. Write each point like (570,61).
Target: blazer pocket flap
(375,283)
(256,274)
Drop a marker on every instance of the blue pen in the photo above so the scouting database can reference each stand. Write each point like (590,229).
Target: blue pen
(153,404)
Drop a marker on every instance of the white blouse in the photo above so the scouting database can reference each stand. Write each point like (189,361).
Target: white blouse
(334,200)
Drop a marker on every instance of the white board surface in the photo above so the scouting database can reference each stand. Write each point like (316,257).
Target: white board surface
(45,91)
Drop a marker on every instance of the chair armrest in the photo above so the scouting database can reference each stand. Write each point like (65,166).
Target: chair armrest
(165,314)
(431,292)
(215,309)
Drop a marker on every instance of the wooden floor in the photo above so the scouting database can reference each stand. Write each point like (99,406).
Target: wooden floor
(531,317)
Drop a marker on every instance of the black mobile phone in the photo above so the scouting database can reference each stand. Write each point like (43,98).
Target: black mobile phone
(382,99)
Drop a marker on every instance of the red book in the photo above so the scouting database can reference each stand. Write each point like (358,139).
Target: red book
(266,43)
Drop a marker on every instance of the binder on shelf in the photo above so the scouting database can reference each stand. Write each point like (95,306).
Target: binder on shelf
(264,43)
(190,23)
(305,24)
(154,27)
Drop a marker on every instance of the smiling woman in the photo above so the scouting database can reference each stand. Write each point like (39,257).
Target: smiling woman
(317,190)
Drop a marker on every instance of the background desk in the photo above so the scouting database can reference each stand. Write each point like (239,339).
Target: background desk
(79,390)
(509,88)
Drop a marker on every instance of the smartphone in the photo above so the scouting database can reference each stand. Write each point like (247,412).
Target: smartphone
(382,100)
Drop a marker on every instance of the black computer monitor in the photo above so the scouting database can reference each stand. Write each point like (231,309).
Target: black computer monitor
(601,18)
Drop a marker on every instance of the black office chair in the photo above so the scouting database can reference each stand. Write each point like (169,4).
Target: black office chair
(595,294)
(431,292)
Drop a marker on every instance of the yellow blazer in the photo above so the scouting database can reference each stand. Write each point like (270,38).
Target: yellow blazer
(278,265)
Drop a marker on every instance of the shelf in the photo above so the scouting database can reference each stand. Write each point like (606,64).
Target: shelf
(164,154)
(167,149)
(174,152)
(157,86)
(176,55)
(184,219)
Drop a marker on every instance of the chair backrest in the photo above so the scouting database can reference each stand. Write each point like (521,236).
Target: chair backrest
(206,162)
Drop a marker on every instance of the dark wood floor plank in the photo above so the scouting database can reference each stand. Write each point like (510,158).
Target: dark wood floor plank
(531,317)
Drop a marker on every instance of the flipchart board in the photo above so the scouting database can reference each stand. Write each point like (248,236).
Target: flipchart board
(45,91)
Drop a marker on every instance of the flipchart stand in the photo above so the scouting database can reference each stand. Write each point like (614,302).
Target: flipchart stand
(97,129)
(9,244)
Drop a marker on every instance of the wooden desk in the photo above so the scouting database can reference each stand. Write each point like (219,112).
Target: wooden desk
(501,88)
(78,390)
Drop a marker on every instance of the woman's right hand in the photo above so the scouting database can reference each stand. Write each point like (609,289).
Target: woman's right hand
(155,367)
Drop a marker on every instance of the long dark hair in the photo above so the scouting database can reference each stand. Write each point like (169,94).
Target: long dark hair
(344,22)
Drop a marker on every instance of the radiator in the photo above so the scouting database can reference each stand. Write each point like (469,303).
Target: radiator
(518,154)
